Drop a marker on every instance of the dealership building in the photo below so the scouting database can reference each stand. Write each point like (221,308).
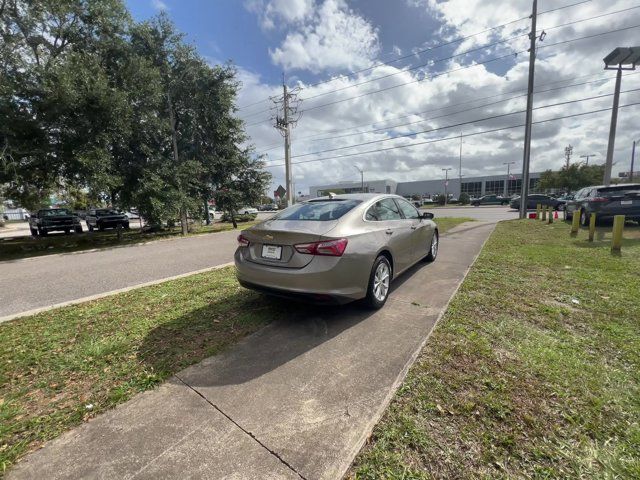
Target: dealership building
(473,186)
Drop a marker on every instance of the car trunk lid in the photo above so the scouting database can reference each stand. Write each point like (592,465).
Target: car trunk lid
(272,242)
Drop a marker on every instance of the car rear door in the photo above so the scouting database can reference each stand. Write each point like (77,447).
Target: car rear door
(398,232)
(421,230)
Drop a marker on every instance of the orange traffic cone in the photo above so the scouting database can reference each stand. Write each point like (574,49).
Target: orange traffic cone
(555,215)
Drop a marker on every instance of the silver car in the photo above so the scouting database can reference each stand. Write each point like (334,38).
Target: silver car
(336,249)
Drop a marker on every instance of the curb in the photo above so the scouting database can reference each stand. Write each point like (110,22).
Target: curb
(110,293)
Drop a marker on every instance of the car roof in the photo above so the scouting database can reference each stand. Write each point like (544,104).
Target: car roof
(355,196)
(615,185)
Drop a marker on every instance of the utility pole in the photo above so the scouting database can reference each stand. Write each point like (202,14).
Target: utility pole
(587,157)
(608,165)
(289,105)
(446,183)
(568,151)
(506,184)
(524,194)
(361,177)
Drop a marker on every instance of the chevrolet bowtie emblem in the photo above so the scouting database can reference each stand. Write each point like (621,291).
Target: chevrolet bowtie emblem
(268,237)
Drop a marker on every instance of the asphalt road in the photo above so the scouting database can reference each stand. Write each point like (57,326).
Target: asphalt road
(49,280)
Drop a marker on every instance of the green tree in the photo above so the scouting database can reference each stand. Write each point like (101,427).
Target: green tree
(578,175)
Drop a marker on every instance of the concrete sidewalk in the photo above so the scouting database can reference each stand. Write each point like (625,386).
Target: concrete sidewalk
(295,400)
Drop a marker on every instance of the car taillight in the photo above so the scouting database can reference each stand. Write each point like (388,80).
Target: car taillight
(242,241)
(330,248)
(600,199)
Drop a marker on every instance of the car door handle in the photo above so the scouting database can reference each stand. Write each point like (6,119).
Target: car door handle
(388,231)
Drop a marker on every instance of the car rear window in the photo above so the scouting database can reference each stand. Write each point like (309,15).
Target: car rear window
(320,211)
(55,212)
(107,211)
(618,191)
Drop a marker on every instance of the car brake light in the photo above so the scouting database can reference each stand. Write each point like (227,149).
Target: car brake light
(242,241)
(330,248)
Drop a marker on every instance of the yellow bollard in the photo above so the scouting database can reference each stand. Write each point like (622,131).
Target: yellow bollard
(592,226)
(618,227)
(550,215)
(544,213)
(575,222)
(538,210)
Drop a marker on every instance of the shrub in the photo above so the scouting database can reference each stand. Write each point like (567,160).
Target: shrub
(464,199)
(239,218)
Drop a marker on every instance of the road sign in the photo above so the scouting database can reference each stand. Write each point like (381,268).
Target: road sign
(280,191)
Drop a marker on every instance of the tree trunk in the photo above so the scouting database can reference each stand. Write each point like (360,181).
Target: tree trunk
(206,212)
(183,221)
(233,219)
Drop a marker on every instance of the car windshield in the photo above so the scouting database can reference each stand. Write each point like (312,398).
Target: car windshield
(56,212)
(107,211)
(323,210)
(618,191)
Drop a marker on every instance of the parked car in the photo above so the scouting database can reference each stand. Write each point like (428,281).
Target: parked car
(336,249)
(132,215)
(103,218)
(606,202)
(489,200)
(215,214)
(54,220)
(536,198)
(247,210)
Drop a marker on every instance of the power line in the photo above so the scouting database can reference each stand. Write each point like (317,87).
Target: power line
(466,67)
(266,148)
(419,52)
(457,137)
(482,47)
(493,117)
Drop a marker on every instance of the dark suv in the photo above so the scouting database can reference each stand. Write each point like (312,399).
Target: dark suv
(536,199)
(102,218)
(605,202)
(54,219)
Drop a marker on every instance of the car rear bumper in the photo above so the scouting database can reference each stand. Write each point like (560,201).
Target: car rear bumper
(632,213)
(323,280)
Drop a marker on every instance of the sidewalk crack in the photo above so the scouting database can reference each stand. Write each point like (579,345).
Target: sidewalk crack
(247,432)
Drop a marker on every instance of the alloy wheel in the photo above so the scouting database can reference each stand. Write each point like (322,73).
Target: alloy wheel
(381,282)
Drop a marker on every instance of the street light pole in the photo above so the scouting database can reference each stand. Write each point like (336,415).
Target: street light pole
(621,58)
(587,157)
(633,155)
(446,183)
(506,184)
(361,177)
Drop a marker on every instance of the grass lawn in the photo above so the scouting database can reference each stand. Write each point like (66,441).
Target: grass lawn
(533,372)
(21,247)
(59,368)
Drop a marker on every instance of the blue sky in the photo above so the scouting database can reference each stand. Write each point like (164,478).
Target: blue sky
(317,40)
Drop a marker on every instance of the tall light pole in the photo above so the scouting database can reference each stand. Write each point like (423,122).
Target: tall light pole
(506,184)
(460,164)
(621,58)
(568,151)
(361,177)
(587,157)
(446,183)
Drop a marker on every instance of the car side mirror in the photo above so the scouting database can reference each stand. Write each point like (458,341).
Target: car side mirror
(428,215)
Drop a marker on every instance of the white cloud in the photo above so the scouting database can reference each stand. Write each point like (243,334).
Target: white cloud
(482,154)
(333,37)
(159,5)
(272,13)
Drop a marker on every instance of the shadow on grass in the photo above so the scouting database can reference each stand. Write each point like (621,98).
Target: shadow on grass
(291,329)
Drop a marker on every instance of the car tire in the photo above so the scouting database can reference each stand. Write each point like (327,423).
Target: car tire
(90,227)
(433,249)
(378,287)
(584,218)
(78,229)
(100,228)
(67,231)
(34,232)
(42,232)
